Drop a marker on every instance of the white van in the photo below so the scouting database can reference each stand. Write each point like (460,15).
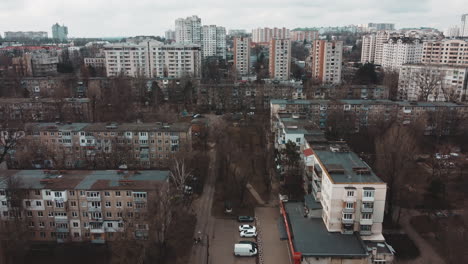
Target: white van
(244,250)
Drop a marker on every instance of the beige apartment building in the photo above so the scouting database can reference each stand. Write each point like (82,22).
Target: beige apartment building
(265,35)
(327,57)
(82,206)
(452,52)
(372,47)
(101,145)
(280,59)
(302,35)
(95,62)
(242,55)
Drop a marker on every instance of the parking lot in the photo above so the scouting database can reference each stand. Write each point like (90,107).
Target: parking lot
(226,234)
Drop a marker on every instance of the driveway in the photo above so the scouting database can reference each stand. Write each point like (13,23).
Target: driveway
(274,250)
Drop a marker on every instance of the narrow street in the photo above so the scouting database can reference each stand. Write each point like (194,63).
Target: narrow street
(205,222)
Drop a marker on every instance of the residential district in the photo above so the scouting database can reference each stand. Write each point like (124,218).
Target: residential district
(307,145)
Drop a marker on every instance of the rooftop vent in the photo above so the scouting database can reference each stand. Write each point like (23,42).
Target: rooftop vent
(362,170)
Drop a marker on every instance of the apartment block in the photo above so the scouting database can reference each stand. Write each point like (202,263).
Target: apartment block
(280,59)
(302,35)
(449,83)
(265,35)
(188,30)
(9,35)
(36,64)
(448,51)
(59,32)
(464,26)
(213,41)
(82,206)
(84,145)
(372,47)
(399,51)
(327,57)
(153,59)
(95,62)
(242,55)
(170,35)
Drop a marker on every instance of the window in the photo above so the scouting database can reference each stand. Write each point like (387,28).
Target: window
(27,203)
(107,194)
(74,214)
(120,225)
(366,216)
(37,192)
(31,224)
(76,234)
(42,234)
(52,224)
(129,214)
(59,204)
(348,216)
(85,214)
(82,193)
(366,227)
(368,205)
(129,193)
(129,204)
(75,224)
(57,194)
(2,193)
(350,193)
(47,193)
(368,193)
(108,204)
(110,225)
(49,203)
(117,193)
(108,214)
(73,203)
(349,205)
(51,214)
(4,203)
(38,203)
(72,193)
(118,204)
(119,214)
(29,214)
(40,214)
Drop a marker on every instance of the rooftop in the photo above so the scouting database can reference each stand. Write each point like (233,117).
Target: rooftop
(343,165)
(118,127)
(311,237)
(365,102)
(85,180)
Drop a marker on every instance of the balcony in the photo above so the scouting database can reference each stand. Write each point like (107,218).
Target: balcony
(348,210)
(347,221)
(367,209)
(366,221)
(365,232)
(62,230)
(368,199)
(93,198)
(349,199)
(94,209)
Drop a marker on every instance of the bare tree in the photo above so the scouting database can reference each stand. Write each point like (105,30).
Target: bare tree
(9,137)
(179,174)
(428,82)
(390,81)
(394,151)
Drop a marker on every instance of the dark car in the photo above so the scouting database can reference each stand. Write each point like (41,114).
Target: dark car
(249,242)
(245,219)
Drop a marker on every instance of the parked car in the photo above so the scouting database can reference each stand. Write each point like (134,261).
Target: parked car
(245,250)
(247,227)
(248,233)
(245,219)
(248,242)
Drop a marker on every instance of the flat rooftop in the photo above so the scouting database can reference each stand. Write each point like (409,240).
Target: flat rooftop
(312,239)
(117,127)
(84,179)
(343,165)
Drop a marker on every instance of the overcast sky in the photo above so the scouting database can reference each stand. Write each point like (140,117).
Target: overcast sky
(105,18)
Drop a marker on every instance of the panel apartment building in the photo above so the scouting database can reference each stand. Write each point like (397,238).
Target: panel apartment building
(327,57)
(188,30)
(265,35)
(153,59)
(399,51)
(81,206)
(372,47)
(280,59)
(448,51)
(213,41)
(100,145)
(242,55)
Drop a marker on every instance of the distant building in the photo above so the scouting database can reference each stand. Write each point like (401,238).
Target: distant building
(448,83)
(170,35)
(372,47)
(9,35)
(237,32)
(153,59)
(447,51)
(452,32)
(265,35)
(242,55)
(213,41)
(188,30)
(280,59)
(36,64)
(464,26)
(399,51)
(59,32)
(381,26)
(327,57)
(95,62)
(301,35)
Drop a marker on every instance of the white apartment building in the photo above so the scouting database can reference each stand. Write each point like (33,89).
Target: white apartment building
(464,26)
(452,32)
(327,57)
(213,41)
(399,51)
(372,47)
(267,34)
(242,55)
(451,82)
(280,59)
(153,59)
(447,51)
(188,30)
(170,35)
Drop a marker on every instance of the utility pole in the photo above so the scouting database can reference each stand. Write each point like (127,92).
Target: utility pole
(207,249)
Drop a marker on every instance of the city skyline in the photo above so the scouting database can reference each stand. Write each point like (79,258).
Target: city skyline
(150,18)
